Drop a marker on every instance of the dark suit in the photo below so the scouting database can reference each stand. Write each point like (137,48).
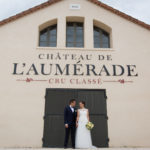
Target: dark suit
(70,119)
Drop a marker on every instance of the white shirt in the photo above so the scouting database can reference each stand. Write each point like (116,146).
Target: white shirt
(72,108)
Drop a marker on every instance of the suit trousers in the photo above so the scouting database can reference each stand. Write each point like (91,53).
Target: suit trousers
(67,133)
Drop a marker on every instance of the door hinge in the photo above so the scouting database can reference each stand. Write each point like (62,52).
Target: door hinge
(106,117)
(105,96)
(43,139)
(45,95)
(44,117)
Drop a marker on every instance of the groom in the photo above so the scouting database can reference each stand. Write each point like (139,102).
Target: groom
(70,122)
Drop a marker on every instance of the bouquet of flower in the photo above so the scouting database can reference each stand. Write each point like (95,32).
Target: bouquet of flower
(89,125)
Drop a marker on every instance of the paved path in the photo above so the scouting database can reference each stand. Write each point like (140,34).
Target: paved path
(72,149)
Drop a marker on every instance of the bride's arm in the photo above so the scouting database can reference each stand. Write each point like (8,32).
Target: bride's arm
(88,116)
(77,118)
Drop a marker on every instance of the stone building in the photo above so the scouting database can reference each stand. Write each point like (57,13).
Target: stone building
(82,49)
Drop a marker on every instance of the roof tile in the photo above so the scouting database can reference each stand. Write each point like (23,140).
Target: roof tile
(50,2)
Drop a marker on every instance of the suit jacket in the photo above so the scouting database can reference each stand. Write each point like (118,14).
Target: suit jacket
(69,116)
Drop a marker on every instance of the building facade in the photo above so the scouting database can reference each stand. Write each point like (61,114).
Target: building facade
(80,46)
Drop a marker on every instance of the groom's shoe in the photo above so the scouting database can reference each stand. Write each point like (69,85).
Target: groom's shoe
(65,147)
(73,147)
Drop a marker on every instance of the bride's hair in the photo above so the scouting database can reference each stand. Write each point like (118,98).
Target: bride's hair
(83,102)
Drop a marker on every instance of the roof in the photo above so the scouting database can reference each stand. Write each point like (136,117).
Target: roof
(121,14)
(96,2)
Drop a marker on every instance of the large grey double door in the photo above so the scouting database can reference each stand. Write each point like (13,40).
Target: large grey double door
(57,99)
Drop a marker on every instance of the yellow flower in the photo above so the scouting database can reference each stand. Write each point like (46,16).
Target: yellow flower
(89,125)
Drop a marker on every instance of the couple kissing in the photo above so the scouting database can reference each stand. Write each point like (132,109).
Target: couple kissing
(75,121)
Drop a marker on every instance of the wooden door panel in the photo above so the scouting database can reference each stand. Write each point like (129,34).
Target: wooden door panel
(57,99)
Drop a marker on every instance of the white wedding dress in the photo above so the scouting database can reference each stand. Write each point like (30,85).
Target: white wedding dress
(83,135)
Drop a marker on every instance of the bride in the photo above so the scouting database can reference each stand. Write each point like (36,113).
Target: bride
(83,135)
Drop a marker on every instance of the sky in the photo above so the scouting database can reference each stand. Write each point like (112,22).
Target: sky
(139,9)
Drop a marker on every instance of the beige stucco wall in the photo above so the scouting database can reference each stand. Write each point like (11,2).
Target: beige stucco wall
(22,104)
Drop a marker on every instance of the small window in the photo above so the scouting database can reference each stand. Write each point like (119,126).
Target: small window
(74,35)
(48,37)
(101,38)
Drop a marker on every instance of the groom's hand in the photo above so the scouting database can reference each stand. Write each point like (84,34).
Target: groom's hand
(66,125)
(76,125)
